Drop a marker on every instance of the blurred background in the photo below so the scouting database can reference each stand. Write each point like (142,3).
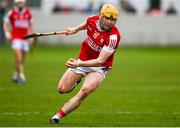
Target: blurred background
(143,22)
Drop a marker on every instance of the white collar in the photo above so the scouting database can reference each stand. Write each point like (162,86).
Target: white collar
(98,26)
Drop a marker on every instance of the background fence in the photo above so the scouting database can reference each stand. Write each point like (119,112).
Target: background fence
(161,30)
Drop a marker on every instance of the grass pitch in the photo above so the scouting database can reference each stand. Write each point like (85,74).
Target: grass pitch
(143,89)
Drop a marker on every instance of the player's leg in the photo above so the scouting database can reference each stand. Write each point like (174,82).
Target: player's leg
(68,81)
(16,47)
(18,62)
(18,53)
(92,81)
(24,50)
(22,75)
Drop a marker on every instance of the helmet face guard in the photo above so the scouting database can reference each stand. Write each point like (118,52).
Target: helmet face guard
(110,11)
(17,1)
(20,4)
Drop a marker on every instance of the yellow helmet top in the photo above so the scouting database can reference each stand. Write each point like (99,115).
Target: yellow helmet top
(109,10)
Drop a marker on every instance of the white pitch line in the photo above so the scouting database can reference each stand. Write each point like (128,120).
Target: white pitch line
(19,113)
(82,112)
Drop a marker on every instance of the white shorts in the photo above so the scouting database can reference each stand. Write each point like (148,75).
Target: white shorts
(18,44)
(85,70)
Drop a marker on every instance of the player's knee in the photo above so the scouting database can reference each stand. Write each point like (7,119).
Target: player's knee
(61,90)
(84,93)
(19,62)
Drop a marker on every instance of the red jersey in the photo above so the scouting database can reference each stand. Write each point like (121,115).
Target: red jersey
(19,21)
(98,40)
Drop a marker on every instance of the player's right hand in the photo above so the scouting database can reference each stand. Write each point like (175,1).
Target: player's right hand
(71,63)
(71,30)
(8,35)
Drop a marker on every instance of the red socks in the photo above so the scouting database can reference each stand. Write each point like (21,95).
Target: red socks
(61,113)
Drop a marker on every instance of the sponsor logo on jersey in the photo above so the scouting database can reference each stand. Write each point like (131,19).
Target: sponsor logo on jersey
(93,45)
(21,23)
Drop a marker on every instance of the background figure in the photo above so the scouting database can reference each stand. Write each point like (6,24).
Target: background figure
(154,7)
(128,7)
(90,8)
(3,6)
(155,4)
(17,24)
(57,8)
(171,10)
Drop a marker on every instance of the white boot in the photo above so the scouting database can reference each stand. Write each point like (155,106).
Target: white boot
(22,77)
(15,76)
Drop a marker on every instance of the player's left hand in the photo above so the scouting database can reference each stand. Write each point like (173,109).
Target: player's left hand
(71,30)
(72,63)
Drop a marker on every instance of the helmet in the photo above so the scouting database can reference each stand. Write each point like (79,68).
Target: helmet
(109,10)
(17,1)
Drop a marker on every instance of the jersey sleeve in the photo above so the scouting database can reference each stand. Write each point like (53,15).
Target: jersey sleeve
(7,18)
(91,18)
(112,43)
